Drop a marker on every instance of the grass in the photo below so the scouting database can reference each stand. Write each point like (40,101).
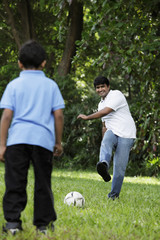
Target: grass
(136,215)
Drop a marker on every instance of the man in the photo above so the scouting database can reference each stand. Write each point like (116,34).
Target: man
(118,130)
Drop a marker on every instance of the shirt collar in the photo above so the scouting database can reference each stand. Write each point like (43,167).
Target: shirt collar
(24,72)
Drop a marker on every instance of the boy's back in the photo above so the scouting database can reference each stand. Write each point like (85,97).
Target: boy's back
(33,98)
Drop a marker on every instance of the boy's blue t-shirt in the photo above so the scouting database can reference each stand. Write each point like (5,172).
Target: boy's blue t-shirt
(33,98)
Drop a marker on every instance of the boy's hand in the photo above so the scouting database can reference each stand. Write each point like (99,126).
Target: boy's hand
(2,152)
(58,150)
(84,117)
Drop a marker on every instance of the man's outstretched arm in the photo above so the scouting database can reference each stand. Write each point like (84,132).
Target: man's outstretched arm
(98,114)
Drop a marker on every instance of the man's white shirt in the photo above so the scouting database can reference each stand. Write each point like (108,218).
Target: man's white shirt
(119,120)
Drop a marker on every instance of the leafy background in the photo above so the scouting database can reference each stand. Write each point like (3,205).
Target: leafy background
(119,39)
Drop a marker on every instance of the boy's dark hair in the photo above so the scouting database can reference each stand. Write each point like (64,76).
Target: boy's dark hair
(31,54)
(101,80)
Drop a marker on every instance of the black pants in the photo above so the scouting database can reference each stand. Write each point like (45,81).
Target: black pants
(17,161)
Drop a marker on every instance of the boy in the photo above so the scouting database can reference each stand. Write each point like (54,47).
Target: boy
(34,104)
(118,130)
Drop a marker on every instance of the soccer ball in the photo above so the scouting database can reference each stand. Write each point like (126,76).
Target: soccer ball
(74,199)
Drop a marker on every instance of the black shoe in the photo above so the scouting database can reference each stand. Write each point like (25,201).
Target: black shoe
(44,229)
(13,231)
(102,169)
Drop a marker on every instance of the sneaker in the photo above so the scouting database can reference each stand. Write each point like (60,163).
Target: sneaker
(102,170)
(44,229)
(13,231)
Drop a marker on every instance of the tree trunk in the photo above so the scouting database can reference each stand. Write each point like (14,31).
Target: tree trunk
(22,31)
(74,34)
(26,20)
(11,23)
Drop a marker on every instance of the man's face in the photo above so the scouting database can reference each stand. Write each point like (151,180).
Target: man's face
(102,90)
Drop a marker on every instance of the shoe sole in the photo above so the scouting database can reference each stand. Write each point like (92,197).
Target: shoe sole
(102,171)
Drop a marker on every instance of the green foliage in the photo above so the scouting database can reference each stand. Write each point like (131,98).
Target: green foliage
(124,38)
(120,40)
(7,73)
(81,140)
(153,167)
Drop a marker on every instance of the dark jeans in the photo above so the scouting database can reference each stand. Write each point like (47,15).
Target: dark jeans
(17,161)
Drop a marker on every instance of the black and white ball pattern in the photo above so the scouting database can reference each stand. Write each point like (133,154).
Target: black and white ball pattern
(74,199)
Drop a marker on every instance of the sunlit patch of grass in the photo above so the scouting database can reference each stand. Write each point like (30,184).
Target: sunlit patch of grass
(142,180)
(135,215)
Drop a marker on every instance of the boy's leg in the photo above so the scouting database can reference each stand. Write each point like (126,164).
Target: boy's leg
(120,162)
(44,212)
(107,145)
(15,198)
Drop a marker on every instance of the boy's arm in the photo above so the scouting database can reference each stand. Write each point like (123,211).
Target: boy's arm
(98,114)
(4,126)
(59,121)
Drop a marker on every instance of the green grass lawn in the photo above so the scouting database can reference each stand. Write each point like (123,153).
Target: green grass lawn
(134,216)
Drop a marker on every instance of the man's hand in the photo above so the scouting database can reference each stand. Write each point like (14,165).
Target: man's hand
(105,111)
(2,152)
(58,150)
(82,116)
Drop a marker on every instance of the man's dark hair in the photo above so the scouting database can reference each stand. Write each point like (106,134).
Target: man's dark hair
(31,54)
(101,80)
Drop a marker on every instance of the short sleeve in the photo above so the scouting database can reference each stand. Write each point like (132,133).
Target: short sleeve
(58,101)
(116,100)
(7,100)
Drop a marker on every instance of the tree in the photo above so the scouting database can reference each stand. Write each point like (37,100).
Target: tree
(19,18)
(83,39)
(73,34)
